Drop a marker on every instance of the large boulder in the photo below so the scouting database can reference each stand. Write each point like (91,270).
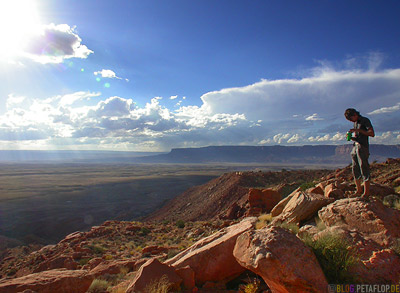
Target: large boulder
(302,206)
(113,267)
(211,258)
(373,230)
(284,262)
(59,280)
(262,200)
(57,262)
(371,218)
(153,271)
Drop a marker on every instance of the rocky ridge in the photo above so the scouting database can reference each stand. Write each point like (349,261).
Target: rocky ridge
(231,253)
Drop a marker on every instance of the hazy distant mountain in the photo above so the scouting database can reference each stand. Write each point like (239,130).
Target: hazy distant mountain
(70,156)
(270,154)
(318,154)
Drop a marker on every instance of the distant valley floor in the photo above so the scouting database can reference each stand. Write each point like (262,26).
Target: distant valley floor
(44,202)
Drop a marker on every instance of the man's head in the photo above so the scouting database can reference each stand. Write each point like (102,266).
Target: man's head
(351,114)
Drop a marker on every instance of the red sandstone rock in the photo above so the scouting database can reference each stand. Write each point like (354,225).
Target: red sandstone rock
(372,229)
(284,262)
(60,281)
(187,275)
(332,191)
(152,271)
(57,262)
(270,199)
(317,190)
(113,267)
(154,249)
(211,258)
(302,206)
(277,210)
(381,190)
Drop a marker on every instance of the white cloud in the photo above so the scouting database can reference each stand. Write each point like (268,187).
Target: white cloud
(107,73)
(329,93)
(384,110)
(267,112)
(313,117)
(55,43)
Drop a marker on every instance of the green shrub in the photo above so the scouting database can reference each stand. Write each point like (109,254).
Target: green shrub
(84,261)
(306,185)
(180,224)
(251,287)
(97,249)
(292,227)
(98,286)
(335,256)
(144,231)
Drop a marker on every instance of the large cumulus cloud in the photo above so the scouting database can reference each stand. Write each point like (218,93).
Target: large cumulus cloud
(306,110)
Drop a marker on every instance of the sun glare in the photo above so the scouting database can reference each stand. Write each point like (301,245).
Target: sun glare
(19,20)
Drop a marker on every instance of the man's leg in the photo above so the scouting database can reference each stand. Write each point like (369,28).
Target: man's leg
(359,189)
(364,167)
(356,172)
(366,189)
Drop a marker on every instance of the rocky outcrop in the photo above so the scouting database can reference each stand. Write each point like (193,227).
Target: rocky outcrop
(373,230)
(211,258)
(302,206)
(262,200)
(150,272)
(112,267)
(284,262)
(60,281)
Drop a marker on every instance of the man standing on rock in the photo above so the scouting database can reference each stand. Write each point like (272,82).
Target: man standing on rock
(360,153)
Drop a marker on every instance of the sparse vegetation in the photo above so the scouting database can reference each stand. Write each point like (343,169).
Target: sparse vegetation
(180,224)
(396,246)
(252,287)
(320,225)
(392,201)
(335,256)
(306,185)
(99,250)
(162,285)
(98,286)
(263,221)
(292,227)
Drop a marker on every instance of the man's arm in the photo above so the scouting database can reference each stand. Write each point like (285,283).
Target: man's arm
(369,132)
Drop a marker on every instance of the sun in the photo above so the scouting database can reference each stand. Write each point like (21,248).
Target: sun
(19,21)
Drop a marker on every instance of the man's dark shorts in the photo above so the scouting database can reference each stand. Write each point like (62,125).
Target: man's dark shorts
(360,155)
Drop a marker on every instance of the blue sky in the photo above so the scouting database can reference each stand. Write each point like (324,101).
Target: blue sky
(155,75)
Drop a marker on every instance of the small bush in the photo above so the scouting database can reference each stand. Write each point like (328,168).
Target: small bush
(251,287)
(306,185)
(396,246)
(320,225)
(335,256)
(180,224)
(97,249)
(263,221)
(172,252)
(162,285)
(144,231)
(84,261)
(292,227)
(392,201)
(98,286)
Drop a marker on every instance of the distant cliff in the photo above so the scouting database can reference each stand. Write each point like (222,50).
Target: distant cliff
(270,154)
